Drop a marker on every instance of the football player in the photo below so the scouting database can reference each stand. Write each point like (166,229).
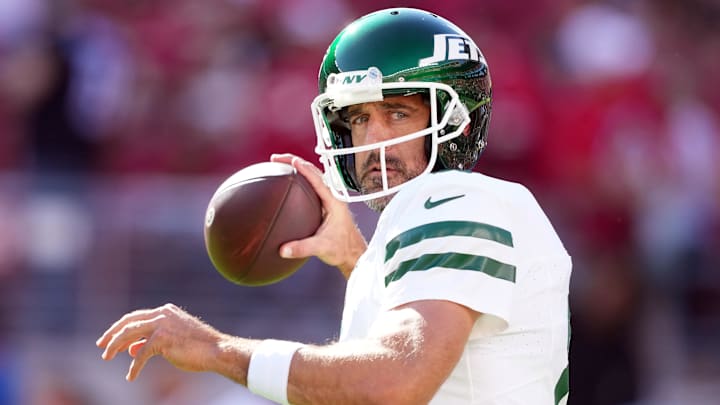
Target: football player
(461,295)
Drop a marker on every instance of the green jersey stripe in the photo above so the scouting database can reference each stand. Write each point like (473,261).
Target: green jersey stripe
(456,261)
(447,228)
(562,388)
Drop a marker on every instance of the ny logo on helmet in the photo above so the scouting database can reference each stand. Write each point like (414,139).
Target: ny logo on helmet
(452,47)
(353,79)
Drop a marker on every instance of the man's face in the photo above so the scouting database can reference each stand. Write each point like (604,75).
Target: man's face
(393,117)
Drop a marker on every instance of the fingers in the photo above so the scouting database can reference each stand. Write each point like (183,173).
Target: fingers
(168,331)
(143,352)
(315,178)
(135,347)
(129,334)
(309,170)
(138,315)
(282,158)
(311,246)
(330,243)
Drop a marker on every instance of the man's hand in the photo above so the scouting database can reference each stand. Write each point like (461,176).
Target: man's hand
(338,242)
(168,331)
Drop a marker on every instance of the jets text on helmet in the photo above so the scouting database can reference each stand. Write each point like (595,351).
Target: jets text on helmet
(452,47)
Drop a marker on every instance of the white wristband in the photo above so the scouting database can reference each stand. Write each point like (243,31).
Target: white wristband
(270,368)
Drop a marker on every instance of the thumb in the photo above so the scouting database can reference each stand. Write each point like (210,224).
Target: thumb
(299,249)
(289,250)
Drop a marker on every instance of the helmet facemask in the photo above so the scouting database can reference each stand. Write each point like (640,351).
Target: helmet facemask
(448,119)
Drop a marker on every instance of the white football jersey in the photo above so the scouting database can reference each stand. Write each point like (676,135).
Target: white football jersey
(486,244)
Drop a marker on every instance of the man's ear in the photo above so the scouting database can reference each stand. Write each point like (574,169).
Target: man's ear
(466,131)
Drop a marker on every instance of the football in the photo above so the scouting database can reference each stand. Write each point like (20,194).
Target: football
(251,214)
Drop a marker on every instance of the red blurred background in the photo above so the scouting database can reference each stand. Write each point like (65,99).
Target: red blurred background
(118,120)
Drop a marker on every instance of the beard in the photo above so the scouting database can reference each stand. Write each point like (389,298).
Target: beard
(371,181)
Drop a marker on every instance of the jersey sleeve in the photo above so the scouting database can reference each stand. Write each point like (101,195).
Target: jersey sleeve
(454,244)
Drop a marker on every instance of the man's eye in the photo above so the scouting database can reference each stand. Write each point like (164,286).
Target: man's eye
(357,120)
(399,115)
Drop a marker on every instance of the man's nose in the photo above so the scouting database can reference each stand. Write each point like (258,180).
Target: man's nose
(377,130)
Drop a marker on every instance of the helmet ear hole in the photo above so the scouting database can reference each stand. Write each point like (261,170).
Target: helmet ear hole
(463,151)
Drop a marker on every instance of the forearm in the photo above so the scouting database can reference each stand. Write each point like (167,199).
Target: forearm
(340,373)
(361,372)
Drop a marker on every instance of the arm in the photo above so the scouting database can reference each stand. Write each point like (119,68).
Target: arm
(410,352)
(338,242)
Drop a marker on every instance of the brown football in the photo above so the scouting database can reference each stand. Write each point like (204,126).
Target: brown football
(251,214)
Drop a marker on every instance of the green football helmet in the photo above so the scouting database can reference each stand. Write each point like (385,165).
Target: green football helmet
(402,51)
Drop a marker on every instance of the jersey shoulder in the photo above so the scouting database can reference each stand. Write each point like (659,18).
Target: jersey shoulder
(458,195)
(469,183)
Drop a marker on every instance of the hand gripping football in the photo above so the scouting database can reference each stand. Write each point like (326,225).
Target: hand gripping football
(251,214)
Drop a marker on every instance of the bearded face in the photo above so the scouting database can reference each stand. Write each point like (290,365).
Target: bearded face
(380,121)
(398,172)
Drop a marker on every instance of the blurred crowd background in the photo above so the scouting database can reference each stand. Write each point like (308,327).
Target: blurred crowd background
(119,118)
